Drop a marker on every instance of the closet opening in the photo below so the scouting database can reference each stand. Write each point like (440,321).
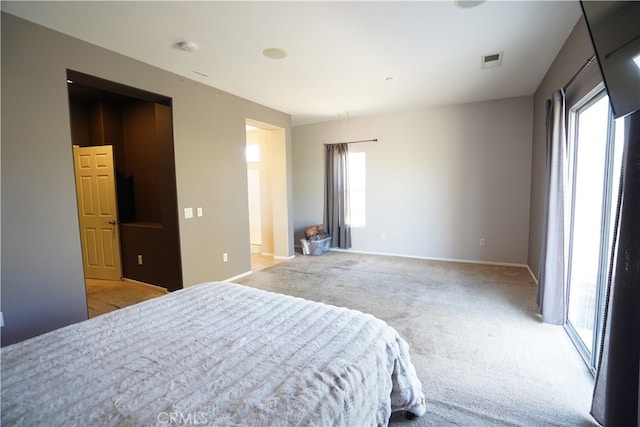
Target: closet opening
(125,182)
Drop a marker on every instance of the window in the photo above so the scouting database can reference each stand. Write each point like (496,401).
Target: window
(357,189)
(595,161)
(253,153)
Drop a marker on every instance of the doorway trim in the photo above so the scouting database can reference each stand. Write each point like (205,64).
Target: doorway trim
(274,195)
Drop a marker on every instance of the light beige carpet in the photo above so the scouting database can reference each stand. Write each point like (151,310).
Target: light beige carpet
(478,344)
(104,296)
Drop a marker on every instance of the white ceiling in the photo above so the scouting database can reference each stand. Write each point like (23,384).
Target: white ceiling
(340,54)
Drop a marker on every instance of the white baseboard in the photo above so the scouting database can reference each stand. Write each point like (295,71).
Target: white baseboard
(533,276)
(468,261)
(277,256)
(239,276)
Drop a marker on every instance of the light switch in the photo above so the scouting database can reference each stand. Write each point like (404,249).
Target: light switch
(188,213)
(199,211)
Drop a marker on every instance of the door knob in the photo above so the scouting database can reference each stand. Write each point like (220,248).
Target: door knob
(112,222)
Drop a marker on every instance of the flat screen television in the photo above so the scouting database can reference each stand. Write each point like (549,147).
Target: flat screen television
(614,27)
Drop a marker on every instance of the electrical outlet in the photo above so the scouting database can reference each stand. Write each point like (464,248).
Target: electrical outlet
(482,241)
(199,211)
(225,257)
(139,259)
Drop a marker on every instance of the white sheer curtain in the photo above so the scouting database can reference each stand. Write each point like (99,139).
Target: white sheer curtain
(552,290)
(336,205)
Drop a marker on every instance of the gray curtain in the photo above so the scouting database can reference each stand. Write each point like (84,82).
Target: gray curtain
(551,289)
(616,394)
(336,204)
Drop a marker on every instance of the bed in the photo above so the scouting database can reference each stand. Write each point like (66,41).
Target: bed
(213,354)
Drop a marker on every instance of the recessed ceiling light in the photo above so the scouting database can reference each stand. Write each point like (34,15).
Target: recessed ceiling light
(275,53)
(389,79)
(468,4)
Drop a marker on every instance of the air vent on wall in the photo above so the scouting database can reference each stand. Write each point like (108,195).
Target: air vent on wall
(492,60)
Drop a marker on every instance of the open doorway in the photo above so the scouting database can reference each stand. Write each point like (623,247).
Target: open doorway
(125,183)
(267,194)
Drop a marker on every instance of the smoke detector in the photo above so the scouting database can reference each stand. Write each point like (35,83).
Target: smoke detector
(188,46)
(492,60)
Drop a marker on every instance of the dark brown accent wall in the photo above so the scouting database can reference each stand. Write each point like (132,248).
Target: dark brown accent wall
(79,114)
(141,153)
(154,235)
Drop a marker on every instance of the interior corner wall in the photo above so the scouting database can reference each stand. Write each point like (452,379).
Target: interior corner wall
(282,233)
(572,56)
(41,264)
(438,180)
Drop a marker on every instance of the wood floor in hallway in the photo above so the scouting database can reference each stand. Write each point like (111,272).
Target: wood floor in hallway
(104,296)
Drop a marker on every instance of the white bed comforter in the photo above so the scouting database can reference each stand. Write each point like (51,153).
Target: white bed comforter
(213,354)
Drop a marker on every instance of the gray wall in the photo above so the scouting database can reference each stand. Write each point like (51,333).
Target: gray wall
(573,55)
(42,278)
(438,180)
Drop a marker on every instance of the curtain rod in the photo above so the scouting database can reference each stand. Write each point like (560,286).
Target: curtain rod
(586,64)
(353,142)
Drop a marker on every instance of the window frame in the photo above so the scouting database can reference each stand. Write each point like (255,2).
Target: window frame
(591,353)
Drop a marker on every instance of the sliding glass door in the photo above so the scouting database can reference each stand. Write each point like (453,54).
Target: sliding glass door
(595,151)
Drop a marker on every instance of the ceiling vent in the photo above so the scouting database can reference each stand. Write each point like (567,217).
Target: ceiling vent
(492,60)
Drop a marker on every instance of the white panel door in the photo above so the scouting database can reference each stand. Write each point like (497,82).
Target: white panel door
(97,211)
